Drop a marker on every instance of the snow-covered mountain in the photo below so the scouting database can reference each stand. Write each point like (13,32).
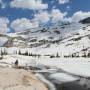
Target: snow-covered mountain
(41,36)
(65,38)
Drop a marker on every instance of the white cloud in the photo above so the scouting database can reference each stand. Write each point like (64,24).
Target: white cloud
(23,24)
(57,15)
(42,17)
(63,1)
(29,4)
(79,16)
(4,25)
(68,7)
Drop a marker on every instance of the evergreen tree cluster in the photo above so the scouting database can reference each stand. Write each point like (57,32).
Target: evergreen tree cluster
(75,55)
(3,52)
(29,54)
(55,56)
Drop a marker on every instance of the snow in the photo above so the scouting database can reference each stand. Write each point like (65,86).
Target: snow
(62,77)
(75,66)
(3,40)
(23,61)
(12,34)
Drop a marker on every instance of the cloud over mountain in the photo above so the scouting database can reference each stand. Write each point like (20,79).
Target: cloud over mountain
(23,24)
(79,15)
(4,22)
(54,16)
(57,15)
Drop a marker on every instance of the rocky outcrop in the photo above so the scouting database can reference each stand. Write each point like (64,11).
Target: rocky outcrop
(85,21)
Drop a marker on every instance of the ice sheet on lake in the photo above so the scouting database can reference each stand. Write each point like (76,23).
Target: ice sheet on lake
(62,77)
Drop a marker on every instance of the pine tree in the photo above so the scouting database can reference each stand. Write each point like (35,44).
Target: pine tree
(29,54)
(35,55)
(19,52)
(84,55)
(1,57)
(26,53)
(1,53)
(39,55)
(5,53)
(88,54)
(73,55)
(57,55)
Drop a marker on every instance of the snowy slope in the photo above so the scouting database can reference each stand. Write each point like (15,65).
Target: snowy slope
(66,39)
(3,39)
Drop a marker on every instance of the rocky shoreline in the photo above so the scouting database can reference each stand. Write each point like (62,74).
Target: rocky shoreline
(19,79)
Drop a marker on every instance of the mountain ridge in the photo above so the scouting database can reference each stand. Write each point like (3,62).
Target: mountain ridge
(66,39)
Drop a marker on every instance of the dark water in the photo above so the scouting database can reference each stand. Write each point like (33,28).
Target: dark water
(66,86)
(75,85)
(70,86)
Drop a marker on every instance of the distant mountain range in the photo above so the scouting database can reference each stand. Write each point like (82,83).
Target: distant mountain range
(65,38)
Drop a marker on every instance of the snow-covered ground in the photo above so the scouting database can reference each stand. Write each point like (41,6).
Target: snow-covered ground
(23,60)
(3,40)
(76,66)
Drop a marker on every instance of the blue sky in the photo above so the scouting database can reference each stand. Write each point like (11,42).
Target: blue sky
(75,5)
(35,10)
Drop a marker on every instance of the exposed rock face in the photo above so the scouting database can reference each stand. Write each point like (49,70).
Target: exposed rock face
(16,79)
(85,21)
